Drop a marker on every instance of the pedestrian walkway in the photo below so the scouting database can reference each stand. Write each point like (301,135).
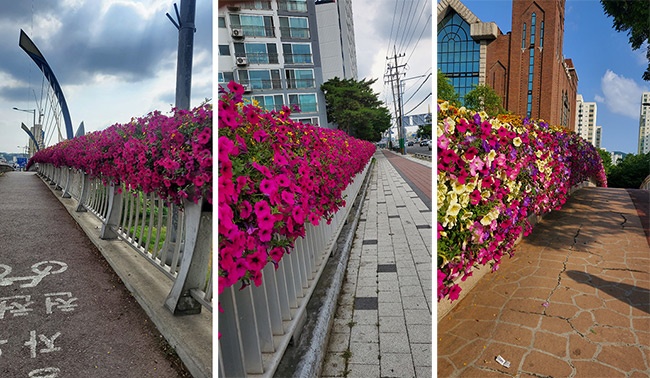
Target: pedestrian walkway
(63,311)
(382,325)
(574,301)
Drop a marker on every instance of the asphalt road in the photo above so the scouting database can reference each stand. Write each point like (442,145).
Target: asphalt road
(63,311)
(416,149)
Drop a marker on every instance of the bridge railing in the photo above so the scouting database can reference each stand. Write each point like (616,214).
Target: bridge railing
(176,241)
(256,324)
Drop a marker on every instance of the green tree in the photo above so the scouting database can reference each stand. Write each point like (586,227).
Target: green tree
(356,108)
(484,98)
(633,17)
(446,90)
(424,131)
(630,172)
(606,157)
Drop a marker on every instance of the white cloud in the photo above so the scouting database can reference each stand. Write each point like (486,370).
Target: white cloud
(600,99)
(622,95)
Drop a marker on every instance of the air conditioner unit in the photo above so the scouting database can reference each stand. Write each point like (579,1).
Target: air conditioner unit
(237,33)
(242,61)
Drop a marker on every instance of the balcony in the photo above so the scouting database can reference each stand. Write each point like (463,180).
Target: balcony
(261,84)
(293,32)
(292,6)
(256,31)
(262,58)
(301,83)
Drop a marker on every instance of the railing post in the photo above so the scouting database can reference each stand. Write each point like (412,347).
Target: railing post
(85,186)
(113,214)
(66,190)
(196,256)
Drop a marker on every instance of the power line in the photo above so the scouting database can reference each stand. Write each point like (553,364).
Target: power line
(420,103)
(416,91)
(419,38)
(406,25)
(417,23)
(391,28)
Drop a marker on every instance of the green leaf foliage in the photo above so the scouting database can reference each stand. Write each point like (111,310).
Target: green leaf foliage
(484,98)
(356,108)
(630,172)
(446,90)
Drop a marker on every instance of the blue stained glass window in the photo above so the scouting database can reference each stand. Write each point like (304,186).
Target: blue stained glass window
(458,53)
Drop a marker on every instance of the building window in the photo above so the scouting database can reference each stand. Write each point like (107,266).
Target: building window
(300,78)
(566,110)
(523,38)
(224,50)
(269,102)
(531,68)
(258,5)
(297,53)
(253,26)
(541,35)
(292,6)
(311,120)
(458,53)
(225,77)
(260,79)
(294,27)
(222,22)
(306,102)
(258,53)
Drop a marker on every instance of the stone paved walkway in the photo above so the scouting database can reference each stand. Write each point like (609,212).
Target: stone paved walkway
(382,326)
(573,302)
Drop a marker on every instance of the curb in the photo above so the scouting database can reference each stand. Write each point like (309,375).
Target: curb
(306,357)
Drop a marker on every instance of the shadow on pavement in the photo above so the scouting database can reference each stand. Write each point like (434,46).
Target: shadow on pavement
(632,295)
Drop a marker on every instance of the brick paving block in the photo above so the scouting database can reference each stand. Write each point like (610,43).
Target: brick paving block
(390,309)
(412,302)
(513,334)
(423,372)
(418,317)
(364,333)
(391,296)
(561,310)
(546,365)
(396,365)
(445,368)
(364,353)
(589,369)
(622,357)
(419,333)
(493,349)
(393,343)
(366,317)
(338,342)
(612,318)
(422,354)
(411,290)
(551,343)
(532,293)
(618,306)
(583,322)
(564,294)
(606,334)
(392,324)
(580,348)
(357,370)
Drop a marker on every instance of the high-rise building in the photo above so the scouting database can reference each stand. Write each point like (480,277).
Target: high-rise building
(273,48)
(644,124)
(526,66)
(586,113)
(336,39)
(599,136)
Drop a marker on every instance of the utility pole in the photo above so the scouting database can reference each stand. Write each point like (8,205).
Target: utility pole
(186,30)
(393,76)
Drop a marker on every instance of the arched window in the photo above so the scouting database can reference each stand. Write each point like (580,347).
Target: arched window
(458,53)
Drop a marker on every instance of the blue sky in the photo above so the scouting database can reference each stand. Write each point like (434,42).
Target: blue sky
(609,71)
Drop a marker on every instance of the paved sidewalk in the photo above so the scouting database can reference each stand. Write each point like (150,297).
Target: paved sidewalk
(382,327)
(63,311)
(573,302)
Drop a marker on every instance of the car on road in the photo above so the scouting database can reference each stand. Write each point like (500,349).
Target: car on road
(410,143)
(424,143)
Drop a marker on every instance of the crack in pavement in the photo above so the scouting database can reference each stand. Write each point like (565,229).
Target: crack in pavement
(624,220)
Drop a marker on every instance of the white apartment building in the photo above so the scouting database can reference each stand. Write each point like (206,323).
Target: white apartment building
(336,39)
(274,49)
(586,121)
(644,124)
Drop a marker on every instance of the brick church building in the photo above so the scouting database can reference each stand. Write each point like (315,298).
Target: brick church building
(525,66)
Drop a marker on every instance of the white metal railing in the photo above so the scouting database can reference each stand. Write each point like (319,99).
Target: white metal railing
(177,242)
(257,323)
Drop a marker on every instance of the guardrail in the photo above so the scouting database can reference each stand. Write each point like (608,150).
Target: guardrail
(176,241)
(423,156)
(256,324)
